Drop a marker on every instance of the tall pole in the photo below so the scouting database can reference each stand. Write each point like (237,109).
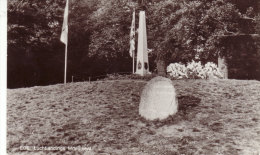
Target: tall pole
(132,41)
(134,45)
(133,62)
(65,68)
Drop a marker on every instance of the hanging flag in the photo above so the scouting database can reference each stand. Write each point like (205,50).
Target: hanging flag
(64,33)
(132,36)
(64,37)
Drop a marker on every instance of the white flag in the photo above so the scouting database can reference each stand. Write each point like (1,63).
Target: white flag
(64,33)
(132,36)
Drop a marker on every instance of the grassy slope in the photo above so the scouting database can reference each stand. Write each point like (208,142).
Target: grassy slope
(214,117)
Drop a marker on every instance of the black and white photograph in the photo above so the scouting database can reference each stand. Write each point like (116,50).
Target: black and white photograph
(131,77)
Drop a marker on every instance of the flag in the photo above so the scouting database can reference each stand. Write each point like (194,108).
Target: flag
(132,36)
(64,33)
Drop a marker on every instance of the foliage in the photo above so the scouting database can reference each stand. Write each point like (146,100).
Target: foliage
(110,19)
(33,45)
(35,53)
(185,29)
(178,31)
(32,24)
(212,71)
(194,70)
(177,71)
(242,57)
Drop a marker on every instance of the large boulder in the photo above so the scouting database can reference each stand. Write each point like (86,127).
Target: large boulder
(158,99)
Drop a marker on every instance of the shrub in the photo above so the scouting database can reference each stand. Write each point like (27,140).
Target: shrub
(177,71)
(194,70)
(212,70)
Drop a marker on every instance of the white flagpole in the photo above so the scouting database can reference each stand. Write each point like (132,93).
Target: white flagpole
(133,62)
(65,68)
(134,50)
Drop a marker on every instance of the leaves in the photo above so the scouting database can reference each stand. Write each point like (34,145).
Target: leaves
(177,31)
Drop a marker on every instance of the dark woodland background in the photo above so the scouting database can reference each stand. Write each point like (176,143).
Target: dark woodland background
(99,37)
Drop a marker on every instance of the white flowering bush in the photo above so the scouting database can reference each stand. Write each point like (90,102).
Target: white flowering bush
(194,70)
(177,71)
(212,70)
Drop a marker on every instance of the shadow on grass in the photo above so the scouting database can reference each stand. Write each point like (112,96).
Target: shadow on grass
(186,111)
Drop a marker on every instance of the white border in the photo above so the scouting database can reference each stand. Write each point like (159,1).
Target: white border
(3,74)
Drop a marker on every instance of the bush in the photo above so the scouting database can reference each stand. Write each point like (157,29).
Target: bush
(212,70)
(177,70)
(194,70)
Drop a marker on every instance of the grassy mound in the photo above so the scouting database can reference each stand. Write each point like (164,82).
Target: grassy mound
(215,117)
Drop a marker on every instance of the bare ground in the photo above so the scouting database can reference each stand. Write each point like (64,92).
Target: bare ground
(215,117)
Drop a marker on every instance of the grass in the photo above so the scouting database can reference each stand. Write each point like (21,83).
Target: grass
(214,117)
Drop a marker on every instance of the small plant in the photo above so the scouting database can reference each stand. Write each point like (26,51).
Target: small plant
(194,70)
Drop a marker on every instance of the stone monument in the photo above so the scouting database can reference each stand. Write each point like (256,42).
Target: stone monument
(142,65)
(158,99)
(222,65)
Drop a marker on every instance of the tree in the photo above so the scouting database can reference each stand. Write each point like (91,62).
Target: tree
(109,47)
(189,29)
(33,30)
(178,31)
(35,53)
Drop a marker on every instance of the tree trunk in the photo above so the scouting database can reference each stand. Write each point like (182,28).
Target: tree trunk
(161,69)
